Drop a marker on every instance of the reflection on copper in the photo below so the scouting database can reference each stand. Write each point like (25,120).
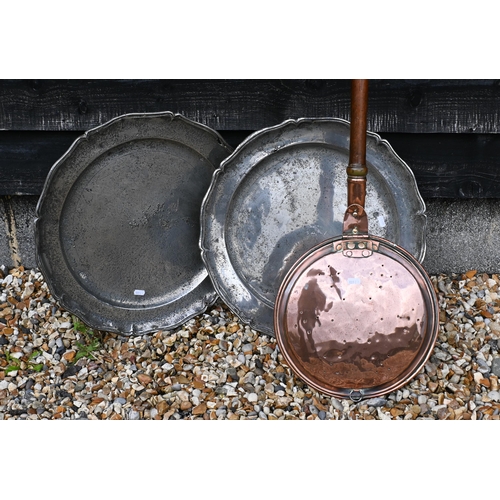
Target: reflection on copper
(374,351)
(311,302)
(356,191)
(356,323)
(335,280)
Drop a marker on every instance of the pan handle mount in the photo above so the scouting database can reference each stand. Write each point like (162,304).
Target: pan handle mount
(358,248)
(355,221)
(355,241)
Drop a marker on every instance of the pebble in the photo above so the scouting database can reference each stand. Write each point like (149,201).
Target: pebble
(483,366)
(252,397)
(495,366)
(133,415)
(494,395)
(337,404)
(376,402)
(249,378)
(422,399)
(215,367)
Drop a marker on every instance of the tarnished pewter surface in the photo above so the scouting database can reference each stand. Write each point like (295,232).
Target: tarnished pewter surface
(118,221)
(356,325)
(283,191)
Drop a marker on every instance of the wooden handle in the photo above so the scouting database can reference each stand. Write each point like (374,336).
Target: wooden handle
(356,170)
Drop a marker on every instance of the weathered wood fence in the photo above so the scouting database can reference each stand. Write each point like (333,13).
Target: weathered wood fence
(448,131)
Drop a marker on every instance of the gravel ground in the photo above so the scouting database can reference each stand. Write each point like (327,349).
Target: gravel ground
(216,368)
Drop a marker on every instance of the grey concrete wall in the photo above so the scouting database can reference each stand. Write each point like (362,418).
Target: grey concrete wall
(461,234)
(17,231)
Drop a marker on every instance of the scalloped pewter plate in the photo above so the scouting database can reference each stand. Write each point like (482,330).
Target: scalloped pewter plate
(118,223)
(282,192)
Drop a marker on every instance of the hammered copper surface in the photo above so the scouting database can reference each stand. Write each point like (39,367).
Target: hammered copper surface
(356,323)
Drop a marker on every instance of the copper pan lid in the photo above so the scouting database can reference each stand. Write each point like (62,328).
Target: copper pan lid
(356,316)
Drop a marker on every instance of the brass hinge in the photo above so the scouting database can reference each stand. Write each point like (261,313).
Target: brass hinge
(356,248)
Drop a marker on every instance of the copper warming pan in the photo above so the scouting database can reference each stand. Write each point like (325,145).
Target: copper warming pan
(356,316)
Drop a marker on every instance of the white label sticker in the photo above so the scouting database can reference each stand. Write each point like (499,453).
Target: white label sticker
(354,281)
(381,221)
(139,292)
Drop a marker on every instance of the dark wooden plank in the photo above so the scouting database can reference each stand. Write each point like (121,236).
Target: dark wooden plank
(403,106)
(26,158)
(452,165)
(445,165)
